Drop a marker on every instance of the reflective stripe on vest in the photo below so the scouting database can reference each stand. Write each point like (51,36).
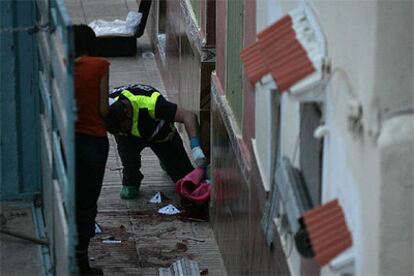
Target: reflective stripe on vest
(141,101)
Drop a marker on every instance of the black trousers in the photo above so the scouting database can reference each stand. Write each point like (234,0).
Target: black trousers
(171,153)
(91,156)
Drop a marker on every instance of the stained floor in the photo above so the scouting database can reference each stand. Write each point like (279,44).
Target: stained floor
(17,218)
(148,240)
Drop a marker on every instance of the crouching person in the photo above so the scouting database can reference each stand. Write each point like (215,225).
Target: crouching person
(141,117)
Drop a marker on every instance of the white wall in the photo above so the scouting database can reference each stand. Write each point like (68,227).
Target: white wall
(396,146)
(370,44)
(350,170)
(373,55)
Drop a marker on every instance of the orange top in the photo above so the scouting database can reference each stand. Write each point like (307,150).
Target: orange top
(88,74)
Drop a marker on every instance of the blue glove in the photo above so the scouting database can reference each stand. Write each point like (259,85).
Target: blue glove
(197,152)
(194,142)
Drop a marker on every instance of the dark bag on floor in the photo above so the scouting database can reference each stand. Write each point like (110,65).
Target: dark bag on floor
(119,46)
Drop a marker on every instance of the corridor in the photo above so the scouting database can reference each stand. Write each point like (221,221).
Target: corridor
(148,240)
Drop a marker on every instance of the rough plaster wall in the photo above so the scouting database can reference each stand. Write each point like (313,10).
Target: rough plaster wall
(371,45)
(395,55)
(351,33)
(369,58)
(371,55)
(395,91)
(396,145)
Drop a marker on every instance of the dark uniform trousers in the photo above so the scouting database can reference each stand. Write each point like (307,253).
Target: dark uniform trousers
(171,153)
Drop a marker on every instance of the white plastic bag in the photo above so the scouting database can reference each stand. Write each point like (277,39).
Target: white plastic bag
(132,21)
(117,27)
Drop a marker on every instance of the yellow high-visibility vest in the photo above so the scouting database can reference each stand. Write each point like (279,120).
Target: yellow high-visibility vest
(138,102)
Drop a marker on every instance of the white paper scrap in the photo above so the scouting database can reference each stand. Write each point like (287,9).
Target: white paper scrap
(156,198)
(98,229)
(169,210)
(112,241)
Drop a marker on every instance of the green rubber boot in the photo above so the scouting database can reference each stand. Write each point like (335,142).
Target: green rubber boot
(129,192)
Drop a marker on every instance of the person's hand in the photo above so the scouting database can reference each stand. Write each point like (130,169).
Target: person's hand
(199,157)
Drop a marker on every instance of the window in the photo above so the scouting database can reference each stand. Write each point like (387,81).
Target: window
(267,129)
(311,150)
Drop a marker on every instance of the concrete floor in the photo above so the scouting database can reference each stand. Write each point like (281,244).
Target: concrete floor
(149,240)
(17,256)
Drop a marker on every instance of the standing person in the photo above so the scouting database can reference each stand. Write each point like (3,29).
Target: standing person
(91,142)
(141,117)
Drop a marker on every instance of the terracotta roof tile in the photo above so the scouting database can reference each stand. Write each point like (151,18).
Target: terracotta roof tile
(278,52)
(328,231)
(254,64)
(284,54)
(284,21)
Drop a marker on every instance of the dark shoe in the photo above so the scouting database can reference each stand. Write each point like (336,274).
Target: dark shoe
(91,271)
(83,264)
